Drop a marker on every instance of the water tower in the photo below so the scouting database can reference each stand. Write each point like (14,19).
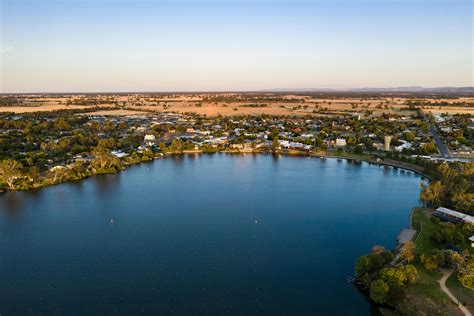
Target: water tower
(386,144)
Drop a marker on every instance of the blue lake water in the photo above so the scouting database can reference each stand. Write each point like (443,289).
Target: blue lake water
(201,235)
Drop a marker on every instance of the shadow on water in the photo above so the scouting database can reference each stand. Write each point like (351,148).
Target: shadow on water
(106,182)
(275,158)
(178,160)
(12,204)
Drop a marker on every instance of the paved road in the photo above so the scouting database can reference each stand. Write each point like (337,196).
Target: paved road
(443,149)
(442,284)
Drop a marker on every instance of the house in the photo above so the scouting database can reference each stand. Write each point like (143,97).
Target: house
(118,153)
(57,168)
(340,142)
(404,145)
(149,138)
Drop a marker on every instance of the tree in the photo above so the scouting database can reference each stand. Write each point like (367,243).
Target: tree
(275,143)
(466,273)
(104,161)
(398,276)
(407,251)
(367,265)
(358,150)
(432,194)
(410,273)
(431,260)
(62,125)
(10,171)
(379,291)
(429,148)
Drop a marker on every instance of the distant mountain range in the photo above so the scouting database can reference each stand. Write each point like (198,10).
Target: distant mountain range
(393,89)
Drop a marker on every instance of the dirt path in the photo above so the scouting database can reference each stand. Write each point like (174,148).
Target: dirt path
(442,284)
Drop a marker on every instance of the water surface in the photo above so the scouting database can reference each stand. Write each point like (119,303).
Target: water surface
(201,235)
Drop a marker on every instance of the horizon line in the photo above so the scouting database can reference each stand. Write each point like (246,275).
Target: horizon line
(326,89)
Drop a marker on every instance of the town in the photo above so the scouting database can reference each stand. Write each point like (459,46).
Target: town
(68,144)
(62,144)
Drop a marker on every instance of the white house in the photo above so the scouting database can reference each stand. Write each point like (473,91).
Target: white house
(149,137)
(340,142)
(405,145)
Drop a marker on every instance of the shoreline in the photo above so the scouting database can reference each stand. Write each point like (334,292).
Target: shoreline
(322,155)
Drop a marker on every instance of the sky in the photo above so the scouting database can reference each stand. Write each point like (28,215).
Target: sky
(222,45)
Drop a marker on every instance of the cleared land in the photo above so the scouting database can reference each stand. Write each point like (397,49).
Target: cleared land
(229,104)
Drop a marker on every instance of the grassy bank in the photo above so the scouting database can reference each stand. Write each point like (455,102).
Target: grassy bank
(425,294)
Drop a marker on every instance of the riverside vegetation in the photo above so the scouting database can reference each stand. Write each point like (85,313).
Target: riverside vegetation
(410,285)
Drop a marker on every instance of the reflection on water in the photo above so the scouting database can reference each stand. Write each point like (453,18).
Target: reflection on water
(105,183)
(11,204)
(201,234)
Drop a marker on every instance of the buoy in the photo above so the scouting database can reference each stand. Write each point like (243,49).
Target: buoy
(111,220)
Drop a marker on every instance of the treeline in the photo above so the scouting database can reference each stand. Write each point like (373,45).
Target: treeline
(452,186)
(15,176)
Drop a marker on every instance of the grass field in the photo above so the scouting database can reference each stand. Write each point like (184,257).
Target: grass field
(421,221)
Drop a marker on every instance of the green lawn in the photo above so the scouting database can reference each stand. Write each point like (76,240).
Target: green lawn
(426,283)
(425,228)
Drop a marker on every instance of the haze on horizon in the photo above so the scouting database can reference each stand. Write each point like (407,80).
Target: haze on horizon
(144,45)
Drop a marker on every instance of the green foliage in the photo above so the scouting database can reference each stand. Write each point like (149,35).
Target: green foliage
(407,252)
(358,150)
(432,194)
(432,260)
(10,172)
(466,273)
(452,187)
(449,233)
(367,266)
(429,148)
(398,276)
(379,291)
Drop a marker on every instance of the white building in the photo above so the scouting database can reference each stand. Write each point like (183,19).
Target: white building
(405,145)
(149,137)
(340,142)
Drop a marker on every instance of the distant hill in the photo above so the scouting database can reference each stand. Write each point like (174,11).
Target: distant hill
(412,89)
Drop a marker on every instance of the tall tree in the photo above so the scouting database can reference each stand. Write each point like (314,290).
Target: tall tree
(10,171)
(432,194)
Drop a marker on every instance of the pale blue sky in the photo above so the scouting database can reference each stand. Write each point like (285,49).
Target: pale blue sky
(106,45)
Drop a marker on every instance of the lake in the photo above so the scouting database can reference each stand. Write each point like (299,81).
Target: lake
(201,235)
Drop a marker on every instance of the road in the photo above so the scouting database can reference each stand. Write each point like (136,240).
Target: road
(443,149)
